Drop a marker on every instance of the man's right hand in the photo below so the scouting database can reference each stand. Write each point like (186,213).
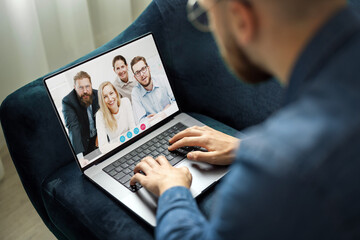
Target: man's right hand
(220,146)
(84,162)
(151,115)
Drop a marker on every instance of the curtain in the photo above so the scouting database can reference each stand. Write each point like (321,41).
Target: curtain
(38,36)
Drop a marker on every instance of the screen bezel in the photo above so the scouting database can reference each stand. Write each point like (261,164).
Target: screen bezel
(130,141)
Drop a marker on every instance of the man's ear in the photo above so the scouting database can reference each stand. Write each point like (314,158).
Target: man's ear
(243,22)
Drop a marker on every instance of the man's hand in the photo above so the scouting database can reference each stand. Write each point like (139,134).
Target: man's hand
(151,115)
(158,175)
(166,107)
(84,162)
(157,118)
(220,146)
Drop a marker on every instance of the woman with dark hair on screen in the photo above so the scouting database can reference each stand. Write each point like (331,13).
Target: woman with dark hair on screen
(114,117)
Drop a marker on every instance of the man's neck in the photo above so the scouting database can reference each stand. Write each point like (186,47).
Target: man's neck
(149,87)
(287,46)
(125,80)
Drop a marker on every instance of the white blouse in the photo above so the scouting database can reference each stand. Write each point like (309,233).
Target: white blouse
(125,122)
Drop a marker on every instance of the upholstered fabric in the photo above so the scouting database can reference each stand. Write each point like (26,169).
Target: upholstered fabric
(68,203)
(35,141)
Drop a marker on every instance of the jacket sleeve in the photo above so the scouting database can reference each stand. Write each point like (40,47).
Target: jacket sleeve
(261,197)
(73,126)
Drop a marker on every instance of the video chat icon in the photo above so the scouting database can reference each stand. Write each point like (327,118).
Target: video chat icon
(130,134)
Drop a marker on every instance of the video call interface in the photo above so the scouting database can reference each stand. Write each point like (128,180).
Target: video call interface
(109,100)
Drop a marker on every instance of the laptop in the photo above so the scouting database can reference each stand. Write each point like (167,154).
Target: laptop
(110,163)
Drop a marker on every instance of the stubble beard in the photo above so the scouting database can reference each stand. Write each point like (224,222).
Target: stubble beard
(83,102)
(146,85)
(240,64)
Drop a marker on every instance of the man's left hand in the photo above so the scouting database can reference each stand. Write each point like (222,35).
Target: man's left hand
(157,175)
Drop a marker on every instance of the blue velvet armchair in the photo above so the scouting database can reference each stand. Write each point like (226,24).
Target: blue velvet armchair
(69,204)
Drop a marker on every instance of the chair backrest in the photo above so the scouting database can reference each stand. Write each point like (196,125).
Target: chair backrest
(35,140)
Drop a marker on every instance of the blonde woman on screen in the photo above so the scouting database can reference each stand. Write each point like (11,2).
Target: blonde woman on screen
(114,117)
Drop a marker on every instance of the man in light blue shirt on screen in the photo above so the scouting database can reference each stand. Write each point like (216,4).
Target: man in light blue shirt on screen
(151,96)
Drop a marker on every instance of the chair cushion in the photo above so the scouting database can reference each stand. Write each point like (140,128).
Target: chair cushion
(33,135)
(70,197)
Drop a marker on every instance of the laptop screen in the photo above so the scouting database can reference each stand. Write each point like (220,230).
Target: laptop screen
(109,100)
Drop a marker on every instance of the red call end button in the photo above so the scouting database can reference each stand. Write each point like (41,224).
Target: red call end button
(142,127)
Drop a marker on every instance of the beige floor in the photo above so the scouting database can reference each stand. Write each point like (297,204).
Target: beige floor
(18,218)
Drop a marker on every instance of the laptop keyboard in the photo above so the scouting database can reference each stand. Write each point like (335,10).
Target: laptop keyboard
(122,169)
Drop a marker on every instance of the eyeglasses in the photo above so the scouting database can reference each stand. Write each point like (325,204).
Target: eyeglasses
(198,16)
(81,88)
(142,70)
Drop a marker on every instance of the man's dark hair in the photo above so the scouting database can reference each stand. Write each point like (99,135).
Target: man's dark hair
(296,10)
(137,59)
(81,75)
(117,58)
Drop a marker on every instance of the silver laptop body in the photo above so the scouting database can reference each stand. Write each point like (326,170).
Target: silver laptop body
(141,202)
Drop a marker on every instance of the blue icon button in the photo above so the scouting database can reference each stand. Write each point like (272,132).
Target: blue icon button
(122,139)
(129,134)
(136,130)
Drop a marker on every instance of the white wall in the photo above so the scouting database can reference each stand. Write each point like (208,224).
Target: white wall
(22,51)
(137,6)
(66,30)
(38,36)
(109,18)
